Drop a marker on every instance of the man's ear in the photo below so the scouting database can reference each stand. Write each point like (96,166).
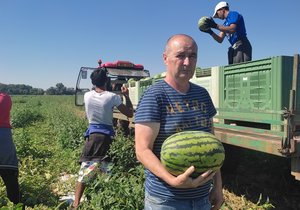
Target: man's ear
(165,58)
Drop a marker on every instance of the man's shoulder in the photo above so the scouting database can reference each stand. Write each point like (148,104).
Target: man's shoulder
(157,86)
(110,93)
(233,15)
(233,12)
(198,88)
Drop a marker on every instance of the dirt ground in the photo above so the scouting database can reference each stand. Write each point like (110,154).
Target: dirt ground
(260,177)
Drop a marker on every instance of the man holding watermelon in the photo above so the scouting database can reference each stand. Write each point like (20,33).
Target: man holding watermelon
(168,107)
(233,28)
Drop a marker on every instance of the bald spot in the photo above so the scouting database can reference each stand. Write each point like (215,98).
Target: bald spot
(174,40)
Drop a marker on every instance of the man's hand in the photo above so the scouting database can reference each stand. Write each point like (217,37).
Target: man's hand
(124,90)
(211,23)
(209,31)
(185,181)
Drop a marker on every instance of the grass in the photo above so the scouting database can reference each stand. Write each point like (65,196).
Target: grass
(49,144)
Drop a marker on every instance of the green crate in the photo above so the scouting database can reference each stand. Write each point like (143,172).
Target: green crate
(143,85)
(256,91)
(160,76)
(203,72)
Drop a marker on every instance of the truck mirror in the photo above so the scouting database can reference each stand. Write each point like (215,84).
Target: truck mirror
(79,94)
(83,74)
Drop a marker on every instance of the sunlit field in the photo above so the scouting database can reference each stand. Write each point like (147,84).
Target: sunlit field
(48,133)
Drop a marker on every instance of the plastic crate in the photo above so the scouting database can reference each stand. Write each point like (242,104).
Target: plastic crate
(210,82)
(256,91)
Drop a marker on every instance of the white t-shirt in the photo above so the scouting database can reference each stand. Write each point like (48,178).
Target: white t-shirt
(99,106)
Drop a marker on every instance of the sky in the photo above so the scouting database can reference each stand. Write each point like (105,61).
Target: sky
(45,42)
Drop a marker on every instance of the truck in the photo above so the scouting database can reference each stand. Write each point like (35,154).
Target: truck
(119,73)
(256,102)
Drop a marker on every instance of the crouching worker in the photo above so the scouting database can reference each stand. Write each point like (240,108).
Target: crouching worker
(99,105)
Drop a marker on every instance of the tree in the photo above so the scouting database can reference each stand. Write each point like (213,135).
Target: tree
(51,91)
(60,89)
(20,89)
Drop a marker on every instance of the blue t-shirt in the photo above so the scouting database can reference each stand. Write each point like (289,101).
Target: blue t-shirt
(240,32)
(175,112)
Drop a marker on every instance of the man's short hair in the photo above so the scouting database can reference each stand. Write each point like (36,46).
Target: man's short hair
(99,77)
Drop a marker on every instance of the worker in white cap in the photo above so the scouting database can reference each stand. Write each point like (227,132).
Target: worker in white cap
(234,29)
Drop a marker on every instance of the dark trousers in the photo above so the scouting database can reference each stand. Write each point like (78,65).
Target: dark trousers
(241,51)
(10,179)
(96,147)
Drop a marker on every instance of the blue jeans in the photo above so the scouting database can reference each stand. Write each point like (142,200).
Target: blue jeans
(156,203)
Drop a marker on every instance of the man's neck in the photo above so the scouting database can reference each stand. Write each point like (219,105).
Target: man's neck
(182,87)
(226,13)
(100,89)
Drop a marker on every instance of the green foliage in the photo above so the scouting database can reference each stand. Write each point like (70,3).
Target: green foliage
(122,154)
(5,202)
(10,206)
(48,147)
(25,117)
(42,161)
(26,145)
(247,205)
(35,181)
(70,133)
(124,188)
(264,205)
(119,191)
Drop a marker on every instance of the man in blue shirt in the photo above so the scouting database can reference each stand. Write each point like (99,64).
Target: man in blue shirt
(167,107)
(235,31)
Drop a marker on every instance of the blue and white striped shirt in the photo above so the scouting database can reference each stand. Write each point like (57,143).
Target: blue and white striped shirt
(175,112)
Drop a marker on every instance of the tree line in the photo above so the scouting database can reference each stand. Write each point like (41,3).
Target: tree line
(21,89)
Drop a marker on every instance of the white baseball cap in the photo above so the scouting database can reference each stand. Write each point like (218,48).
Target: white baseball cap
(220,5)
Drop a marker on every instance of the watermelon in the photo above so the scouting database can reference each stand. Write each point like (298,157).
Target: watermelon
(203,24)
(192,148)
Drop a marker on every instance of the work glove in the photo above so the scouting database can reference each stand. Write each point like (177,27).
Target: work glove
(209,31)
(211,23)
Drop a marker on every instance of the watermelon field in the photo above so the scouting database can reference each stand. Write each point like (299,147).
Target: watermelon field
(48,133)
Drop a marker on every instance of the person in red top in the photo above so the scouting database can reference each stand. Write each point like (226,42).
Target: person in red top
(9,170)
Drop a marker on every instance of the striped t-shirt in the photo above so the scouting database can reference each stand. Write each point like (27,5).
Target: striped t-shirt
(175,112)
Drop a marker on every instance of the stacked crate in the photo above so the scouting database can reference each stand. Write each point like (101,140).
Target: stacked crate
(209,79)
(256,92)
(137,88)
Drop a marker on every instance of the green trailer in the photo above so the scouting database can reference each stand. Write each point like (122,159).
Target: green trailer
(258,108)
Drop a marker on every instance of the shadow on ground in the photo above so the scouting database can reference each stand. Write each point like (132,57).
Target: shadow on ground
(259,174)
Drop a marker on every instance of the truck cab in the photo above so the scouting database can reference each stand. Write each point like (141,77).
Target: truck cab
(119,73)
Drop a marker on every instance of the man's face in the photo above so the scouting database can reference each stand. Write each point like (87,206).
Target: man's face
(221,14)
(181,59)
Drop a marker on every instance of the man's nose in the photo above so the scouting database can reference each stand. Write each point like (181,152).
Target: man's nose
(186,61)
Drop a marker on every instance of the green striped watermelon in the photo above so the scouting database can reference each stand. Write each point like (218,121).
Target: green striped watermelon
(203,23)
(192,148)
